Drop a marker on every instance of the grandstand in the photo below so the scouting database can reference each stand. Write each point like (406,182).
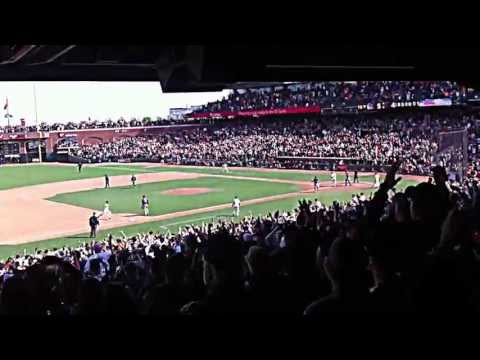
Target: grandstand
(299,198)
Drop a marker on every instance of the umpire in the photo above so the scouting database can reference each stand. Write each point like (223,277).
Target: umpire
(93,222)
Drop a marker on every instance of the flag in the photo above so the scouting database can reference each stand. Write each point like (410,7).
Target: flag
(6,105)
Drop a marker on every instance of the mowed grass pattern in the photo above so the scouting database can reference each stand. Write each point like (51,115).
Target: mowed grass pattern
(126,199)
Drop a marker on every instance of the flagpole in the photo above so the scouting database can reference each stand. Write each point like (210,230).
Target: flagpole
(36,124)
(8,114)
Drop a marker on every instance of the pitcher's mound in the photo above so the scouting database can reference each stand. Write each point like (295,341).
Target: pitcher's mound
(187,191)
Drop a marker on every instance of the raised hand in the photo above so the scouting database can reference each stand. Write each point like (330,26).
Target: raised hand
(390,181)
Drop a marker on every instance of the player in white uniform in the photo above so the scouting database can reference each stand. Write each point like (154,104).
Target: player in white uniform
(377,180)
(145,205)
(333,176)
(107,214)
(316,184)
(236,206)
(225,168)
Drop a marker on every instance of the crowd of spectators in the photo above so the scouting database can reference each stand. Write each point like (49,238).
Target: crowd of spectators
(369,140)
(91,124)
(415,250)
(367,94)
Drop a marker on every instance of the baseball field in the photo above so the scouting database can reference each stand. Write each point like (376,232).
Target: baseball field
(48,205)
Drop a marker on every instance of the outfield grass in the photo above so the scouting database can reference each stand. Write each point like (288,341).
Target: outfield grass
(126,199)
(271,174)
(19,176)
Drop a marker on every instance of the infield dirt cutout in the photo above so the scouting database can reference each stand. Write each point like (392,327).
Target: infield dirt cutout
(26,215)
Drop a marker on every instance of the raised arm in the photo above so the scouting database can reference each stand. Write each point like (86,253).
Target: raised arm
(377,204)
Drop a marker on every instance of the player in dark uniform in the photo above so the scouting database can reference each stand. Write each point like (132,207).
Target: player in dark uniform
(93,222)
(134,180)
(80,166)
(107,181)
(355,177)
(347,179)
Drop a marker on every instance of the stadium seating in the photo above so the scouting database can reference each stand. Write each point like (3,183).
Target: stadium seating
(370,141)
(339,95)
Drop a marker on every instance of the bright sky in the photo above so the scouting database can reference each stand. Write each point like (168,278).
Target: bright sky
(76,101)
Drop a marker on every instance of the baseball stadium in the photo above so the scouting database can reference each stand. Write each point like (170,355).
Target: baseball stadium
(267,187)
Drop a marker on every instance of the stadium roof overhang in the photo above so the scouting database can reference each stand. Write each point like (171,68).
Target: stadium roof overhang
(188,68)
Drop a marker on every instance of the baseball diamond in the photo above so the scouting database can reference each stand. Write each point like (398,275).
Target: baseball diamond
(69,197)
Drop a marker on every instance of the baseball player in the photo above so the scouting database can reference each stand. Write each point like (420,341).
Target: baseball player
(236,206)
(316,184)
(134,180)
(225,168)
(93,222)
(145,205)
(80,166)
(355,177)
(333,177)
(107,214)
(377,180)
(107,182)
(347,179)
